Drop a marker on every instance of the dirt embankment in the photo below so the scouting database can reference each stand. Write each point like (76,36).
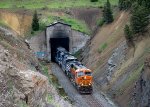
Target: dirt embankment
(20,21)
(89,15)
(109,36)
(19,85)
(116,66)
(126,80)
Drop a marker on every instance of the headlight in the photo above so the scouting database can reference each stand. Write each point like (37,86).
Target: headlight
(82,84)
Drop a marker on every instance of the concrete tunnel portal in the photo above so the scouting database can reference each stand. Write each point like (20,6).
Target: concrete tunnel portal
(59,34)
(58,42)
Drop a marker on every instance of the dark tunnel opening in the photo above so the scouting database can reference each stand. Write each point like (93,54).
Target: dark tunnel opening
(58,42)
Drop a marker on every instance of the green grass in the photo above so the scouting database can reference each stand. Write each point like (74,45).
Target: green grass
(22,104)
(75,24)
(2,23)
(52,4)
(50,98)
(56,4)
(102,47)
(100,22)
(147,50)
(77,54)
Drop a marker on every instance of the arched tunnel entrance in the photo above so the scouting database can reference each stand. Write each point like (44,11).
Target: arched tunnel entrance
(61,40)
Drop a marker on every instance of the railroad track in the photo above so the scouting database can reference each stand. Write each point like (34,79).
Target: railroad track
(91,101)
(81,100)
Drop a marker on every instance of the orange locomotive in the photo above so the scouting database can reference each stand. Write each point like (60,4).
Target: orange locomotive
(80,76)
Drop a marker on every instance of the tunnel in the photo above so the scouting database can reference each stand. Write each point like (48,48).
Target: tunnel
(58,42)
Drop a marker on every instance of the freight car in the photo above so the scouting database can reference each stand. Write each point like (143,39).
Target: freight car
(80,76)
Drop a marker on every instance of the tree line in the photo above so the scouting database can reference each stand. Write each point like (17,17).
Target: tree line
(140,15)
(139,20)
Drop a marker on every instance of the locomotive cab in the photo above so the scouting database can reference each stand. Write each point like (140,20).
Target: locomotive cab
(84,80)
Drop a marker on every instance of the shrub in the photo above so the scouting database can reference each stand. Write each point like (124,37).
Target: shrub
(94,0)
(128,33)
(102,47)
(35,22)
(100,22)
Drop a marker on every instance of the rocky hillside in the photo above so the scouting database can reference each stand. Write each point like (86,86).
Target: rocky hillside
(22,83)
(19,85)
(141,95)
(118,66)
(120,71)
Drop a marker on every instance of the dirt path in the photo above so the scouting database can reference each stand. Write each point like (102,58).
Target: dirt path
(94,100)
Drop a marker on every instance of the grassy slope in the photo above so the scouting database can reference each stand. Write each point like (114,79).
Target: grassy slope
(55,4)
(76,24)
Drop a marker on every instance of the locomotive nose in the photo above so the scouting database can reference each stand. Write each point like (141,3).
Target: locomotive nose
(86,81)
(85,77)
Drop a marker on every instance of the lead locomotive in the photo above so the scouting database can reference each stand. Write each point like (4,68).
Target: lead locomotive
(80,76)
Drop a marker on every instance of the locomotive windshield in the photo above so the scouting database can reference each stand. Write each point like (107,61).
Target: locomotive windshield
(69,60)
(79,74)
(88,73)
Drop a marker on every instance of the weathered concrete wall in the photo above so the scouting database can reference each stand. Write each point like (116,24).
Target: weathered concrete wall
(78,40)
(38,45)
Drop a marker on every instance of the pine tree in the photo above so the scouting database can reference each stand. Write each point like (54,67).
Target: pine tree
(124,4)
(140,2)
(128,33)
(135,6)
(120,4)
(35,22)
(128,4)
(139,20)
(107,13)
(146,3)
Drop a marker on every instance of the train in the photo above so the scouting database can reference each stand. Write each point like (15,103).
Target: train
(79,75)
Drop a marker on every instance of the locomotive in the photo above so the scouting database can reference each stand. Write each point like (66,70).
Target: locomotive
(79,75)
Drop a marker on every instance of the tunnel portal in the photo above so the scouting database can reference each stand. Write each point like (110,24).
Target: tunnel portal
(58,42)
(57,34)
